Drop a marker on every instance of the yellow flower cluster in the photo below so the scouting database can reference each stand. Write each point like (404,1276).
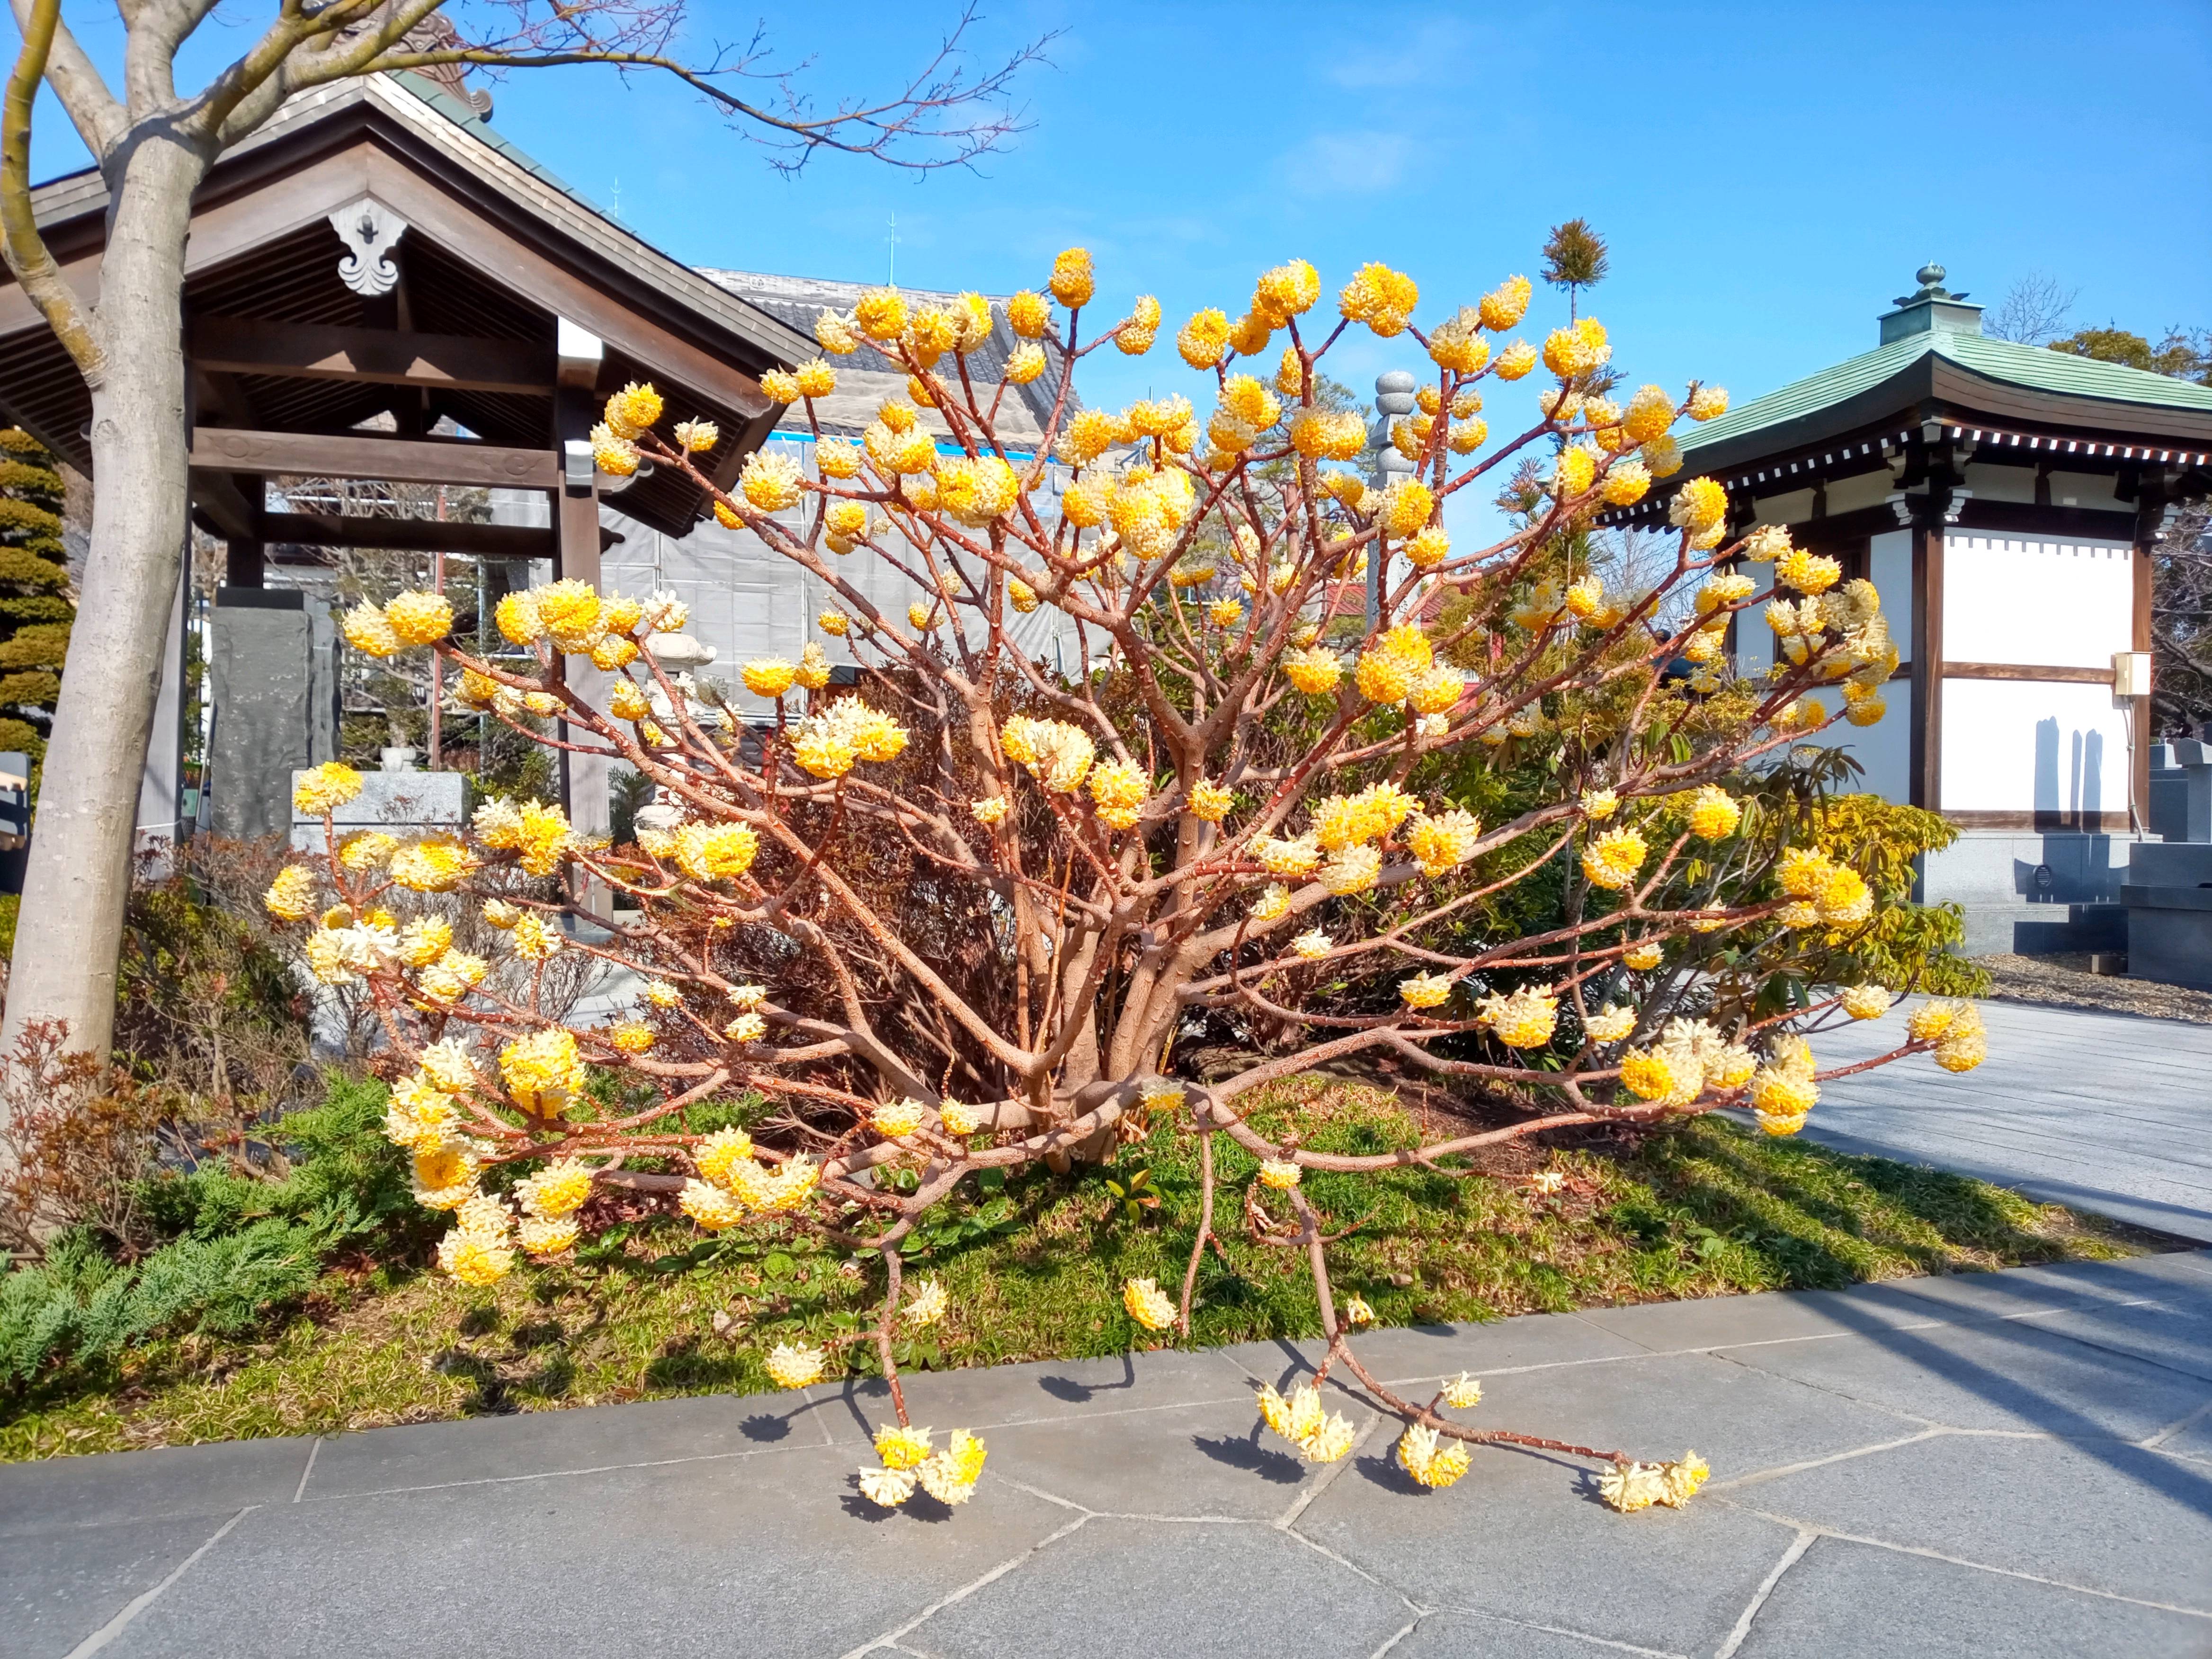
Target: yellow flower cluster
(1120,787)
(1783,1091)
(1576,350)
(715,852)
(1504,306)
(1341,821)
(1425,990)
(949,1476)
(1434,1462)
(1443,842)
(1389,669)
(1073,283)
(1319,1435)
(977,490)
(1867,1001)
(732,1185)
(1955,1028)
(1714,813)
(541,1070)
(828,743)
(1204,340)
(1209,801)
(1609,1024)
(477,1251)
(1821,891)
(1523,1020)
(896,1119)
(1315,671)
(1147,1304)
(291,896)
(1058,755)
(436,863)
(794,1365)
(1613,858)
(1700,506)
(1689,1058)
(325,788)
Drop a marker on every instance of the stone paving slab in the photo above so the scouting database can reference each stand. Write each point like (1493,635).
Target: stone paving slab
(56,1586)
(1525,1535)
(2098,1516)
(147,1485)
(2105,1112)
(1119,1587)
(2017,1463)
(1998,1375)
(1847,1601)
(776,1555)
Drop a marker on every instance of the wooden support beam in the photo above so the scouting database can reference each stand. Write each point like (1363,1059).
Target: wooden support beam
(223,508)
(327,351)
(363,455)
(487,541)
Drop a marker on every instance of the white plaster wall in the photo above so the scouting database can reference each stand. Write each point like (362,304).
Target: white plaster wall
(2029,745)
(1795,507)
(2036,599)
(1889,568)
(2001,484)
(1860,489)
(2087,489)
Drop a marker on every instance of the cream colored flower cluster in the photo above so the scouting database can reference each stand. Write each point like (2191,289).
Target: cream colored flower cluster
(733,1184)
(827,745)
(948,1475)
(1783,1091)
(1955,1028)
(1628,1488)
(1689,1057)
(1056,754)
(1319,1435)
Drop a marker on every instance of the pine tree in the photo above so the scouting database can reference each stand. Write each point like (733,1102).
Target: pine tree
(1574,259)
(35,611)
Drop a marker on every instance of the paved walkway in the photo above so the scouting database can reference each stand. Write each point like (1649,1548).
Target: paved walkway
(2016,1463)
(2105,1112)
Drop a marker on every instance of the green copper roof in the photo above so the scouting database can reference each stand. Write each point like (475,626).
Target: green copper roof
(2037,367)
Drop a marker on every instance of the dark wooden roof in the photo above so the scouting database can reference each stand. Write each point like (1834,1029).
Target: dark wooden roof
(496,249)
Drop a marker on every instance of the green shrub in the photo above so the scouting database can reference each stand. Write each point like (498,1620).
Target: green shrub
(238,1245)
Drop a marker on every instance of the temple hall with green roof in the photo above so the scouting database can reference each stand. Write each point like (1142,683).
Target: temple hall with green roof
(2004,498)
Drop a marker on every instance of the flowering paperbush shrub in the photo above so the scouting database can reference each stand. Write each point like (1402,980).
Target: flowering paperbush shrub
(951,918)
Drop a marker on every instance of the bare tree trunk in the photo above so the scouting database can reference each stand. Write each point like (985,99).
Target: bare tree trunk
(78,874)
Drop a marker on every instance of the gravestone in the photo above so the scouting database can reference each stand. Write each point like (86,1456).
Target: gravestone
(275,688)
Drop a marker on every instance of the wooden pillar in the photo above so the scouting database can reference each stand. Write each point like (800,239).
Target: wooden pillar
(245,560)
(1926,783)
(576,530)
(2150,514)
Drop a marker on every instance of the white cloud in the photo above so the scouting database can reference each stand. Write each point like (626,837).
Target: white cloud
(1356,160)
(1433,50)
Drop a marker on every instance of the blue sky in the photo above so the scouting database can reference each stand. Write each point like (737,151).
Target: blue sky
(1769,176)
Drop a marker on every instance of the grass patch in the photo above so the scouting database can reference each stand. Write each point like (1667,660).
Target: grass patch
(1036,1266)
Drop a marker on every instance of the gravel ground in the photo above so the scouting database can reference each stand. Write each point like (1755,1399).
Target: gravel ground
(2064,981)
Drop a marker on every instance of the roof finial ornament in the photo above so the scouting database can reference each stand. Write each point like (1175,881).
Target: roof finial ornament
(1930,278)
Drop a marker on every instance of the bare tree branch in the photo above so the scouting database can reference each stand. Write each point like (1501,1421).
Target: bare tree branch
(29,257)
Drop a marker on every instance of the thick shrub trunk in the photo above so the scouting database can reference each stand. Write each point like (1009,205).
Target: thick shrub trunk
(78,875)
